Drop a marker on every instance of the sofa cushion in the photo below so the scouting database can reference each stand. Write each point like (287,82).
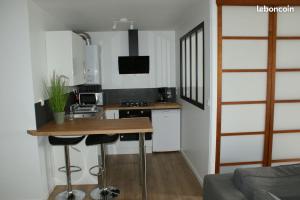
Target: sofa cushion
(264,195)
(283,181)
(221,187)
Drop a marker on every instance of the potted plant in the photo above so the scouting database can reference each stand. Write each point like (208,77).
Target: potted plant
(57,93)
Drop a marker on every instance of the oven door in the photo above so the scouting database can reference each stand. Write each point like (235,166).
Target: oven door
(132,114)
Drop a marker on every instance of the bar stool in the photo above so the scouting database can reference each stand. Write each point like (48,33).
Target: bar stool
(102,192)
(69,194)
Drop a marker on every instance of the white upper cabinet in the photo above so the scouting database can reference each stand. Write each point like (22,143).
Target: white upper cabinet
(66,55)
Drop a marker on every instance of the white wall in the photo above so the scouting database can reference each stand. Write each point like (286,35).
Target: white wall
(196,124)
(213,84)
(159,45)
(20,173)
(40,22)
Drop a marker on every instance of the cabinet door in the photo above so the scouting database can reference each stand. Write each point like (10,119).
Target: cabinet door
(166,130)
(59,53)
(112,114)
(66,55)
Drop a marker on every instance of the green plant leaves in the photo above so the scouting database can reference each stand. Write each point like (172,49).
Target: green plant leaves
(57,93)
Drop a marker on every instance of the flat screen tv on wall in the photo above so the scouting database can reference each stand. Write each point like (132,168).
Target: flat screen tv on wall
(133,64)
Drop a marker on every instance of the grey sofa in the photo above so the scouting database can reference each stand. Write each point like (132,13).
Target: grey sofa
(263,183)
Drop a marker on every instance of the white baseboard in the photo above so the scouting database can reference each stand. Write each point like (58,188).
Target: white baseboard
(50,190)
(189,162)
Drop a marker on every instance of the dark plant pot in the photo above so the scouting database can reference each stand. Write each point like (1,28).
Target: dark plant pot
(59,117)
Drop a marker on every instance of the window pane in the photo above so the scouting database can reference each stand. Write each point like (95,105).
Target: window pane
(188,74)
(193,66)
(200,66)
(183,66)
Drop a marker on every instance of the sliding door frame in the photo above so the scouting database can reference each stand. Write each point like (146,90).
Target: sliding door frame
(271,76)
(258,2)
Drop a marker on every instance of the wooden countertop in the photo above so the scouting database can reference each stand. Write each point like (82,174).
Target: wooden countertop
(151,106)
(94,126)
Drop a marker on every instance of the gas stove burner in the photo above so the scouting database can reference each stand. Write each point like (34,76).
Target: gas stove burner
(132,103)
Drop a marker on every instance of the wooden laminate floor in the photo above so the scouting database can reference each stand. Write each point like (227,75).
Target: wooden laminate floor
(169,178)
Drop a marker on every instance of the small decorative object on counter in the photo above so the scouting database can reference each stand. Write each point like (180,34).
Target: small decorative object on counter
(57,93)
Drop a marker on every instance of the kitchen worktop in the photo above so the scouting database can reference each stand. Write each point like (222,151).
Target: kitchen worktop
(90,126)
(151,106)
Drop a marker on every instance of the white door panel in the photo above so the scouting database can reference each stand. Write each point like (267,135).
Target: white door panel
(287,54)
(244,86)
(288,23)
(230,169)
(287,116)
(286,146)
(243,54)
(242,148)
(243,118)
(248,22)
(287,85)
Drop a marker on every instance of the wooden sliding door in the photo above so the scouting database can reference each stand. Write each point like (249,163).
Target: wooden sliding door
(258,119)
(243,80)
(286,123)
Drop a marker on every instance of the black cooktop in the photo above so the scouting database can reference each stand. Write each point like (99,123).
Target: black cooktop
(134,103)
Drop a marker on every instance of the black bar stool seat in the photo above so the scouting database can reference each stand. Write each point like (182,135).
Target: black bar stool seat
(66,142)
(100,139)
(102,191)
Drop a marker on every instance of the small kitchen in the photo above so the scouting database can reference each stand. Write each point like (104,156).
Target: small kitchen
(135,119)
(111,75)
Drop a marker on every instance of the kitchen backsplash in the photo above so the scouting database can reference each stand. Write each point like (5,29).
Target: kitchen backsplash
(89,88)
(43,114)
(115,96)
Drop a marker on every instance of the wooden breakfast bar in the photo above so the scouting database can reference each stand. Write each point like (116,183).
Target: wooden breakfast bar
(89,126)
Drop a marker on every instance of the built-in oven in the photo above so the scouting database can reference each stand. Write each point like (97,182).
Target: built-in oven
(130,114)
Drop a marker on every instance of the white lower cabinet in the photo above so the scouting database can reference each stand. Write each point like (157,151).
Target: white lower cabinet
(112,114)
(166,130)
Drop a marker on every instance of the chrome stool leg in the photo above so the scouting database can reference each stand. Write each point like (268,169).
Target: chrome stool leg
(69,194)
(102,191)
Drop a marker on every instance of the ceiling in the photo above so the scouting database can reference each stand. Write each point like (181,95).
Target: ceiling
(98,15)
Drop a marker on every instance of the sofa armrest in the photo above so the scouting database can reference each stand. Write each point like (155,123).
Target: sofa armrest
(221,187)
